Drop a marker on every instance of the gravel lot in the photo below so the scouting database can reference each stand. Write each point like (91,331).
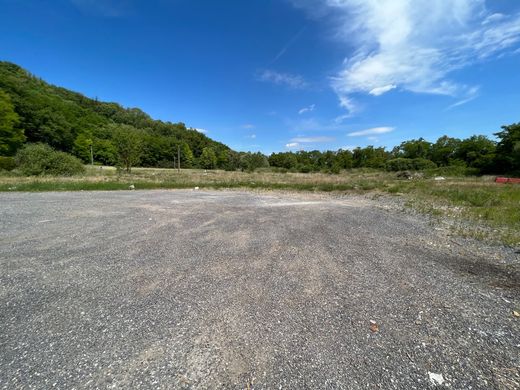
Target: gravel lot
(196,289)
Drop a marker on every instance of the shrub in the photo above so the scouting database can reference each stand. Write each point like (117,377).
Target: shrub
(420,164)
(41,159)
(7,163)
(399,164)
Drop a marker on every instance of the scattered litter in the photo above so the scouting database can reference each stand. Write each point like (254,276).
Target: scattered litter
(439,178)
(131,187)
(516,313)
(374,327)
(436,379)
(196,188)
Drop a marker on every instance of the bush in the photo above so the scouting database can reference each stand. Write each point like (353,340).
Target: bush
(40,159)
(7,163)
(420,164)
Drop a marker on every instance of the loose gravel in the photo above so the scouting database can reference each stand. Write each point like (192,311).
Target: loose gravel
(201,289)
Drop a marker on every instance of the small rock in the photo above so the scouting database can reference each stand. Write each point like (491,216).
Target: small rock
(131,187)
(196,188)
(374,327)
(436,379)
(516,313)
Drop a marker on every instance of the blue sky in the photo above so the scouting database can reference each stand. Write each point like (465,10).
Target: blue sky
(276,75)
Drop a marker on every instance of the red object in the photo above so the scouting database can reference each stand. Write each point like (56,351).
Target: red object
(507,180)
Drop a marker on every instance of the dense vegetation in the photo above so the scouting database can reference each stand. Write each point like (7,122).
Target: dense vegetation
(41,159)
(476,154)
(33,111)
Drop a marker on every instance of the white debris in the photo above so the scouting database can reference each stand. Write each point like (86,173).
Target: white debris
(439,178)
(196,188)
(436,379)
(131,187)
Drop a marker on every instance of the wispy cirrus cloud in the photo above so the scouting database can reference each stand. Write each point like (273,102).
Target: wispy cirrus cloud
(413,45)
(299,142)
(313,140)
(285,79)
(371,132)
(203,131)
(307,109)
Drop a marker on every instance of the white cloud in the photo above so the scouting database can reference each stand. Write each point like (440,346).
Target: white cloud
(248,126)
(309,140)
(292,145)
(251,136)
(371,132)
(493,18)
(471,95)
(203,131)
(289,80)
(413,45)
(307,109)
(381,90)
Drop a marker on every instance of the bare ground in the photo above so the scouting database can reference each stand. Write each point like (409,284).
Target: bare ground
(188,289)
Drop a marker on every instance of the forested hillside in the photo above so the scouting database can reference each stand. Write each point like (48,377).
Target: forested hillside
(71,122)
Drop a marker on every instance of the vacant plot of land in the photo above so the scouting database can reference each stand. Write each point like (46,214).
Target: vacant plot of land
(190,289)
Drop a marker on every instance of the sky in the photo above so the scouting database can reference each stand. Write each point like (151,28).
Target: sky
(279,75)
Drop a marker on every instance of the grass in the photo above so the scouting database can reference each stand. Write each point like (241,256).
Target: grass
(474,206)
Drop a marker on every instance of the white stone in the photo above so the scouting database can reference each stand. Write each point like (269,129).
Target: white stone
(436,379)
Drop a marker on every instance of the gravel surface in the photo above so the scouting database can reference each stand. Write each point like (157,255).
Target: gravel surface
(199,289)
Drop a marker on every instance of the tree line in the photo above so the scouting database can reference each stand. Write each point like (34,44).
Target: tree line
(33,111)
(478,153)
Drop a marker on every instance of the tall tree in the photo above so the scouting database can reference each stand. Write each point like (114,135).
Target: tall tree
(186,156)
(208,158)
(127,141)
(11,137)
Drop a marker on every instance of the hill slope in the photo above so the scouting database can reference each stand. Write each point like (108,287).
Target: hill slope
(65,119)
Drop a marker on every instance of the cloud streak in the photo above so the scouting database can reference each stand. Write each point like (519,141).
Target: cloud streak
(307,109)
(371,132)
(285,79)
(313,140)
(296,142)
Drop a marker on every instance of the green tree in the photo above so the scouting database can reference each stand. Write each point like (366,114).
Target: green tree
(127,142)
(82,145)
(415,148)
(208,158)
(186,156)
(477,152)
(251,161)
(223,161)
(508,149)
(444,150)
(11,137)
